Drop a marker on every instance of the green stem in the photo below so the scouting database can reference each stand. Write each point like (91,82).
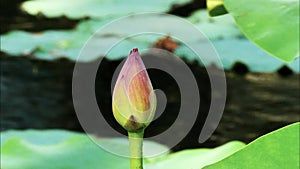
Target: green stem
(136,149)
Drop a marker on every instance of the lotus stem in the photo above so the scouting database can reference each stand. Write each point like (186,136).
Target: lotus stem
(136,149)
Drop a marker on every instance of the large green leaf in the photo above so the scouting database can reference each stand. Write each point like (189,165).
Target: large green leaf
(96,8)
(271,24)
(57,149)
(276,150)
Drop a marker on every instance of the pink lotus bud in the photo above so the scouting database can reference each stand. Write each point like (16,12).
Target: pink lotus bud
(134,101)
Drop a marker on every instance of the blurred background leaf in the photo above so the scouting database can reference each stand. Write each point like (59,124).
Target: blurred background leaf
(227,39)
(96,8)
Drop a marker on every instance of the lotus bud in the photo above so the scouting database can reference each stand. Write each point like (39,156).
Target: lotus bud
(134,100)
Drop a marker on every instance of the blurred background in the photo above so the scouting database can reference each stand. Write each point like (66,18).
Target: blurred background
(40,41)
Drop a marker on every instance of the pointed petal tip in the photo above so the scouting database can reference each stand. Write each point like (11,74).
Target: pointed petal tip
(134,50)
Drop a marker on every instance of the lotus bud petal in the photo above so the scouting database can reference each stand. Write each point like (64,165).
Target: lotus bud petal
(134,100)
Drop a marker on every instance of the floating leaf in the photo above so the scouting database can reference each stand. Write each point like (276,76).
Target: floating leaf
(52,149)
(215,27)
(63,149)
(37,137)
(215,7)
(276,150)
(232,50)
(96,8)
(272,25)
(48,45)
(196,158)
(18,43)
(224,35)
(75,152)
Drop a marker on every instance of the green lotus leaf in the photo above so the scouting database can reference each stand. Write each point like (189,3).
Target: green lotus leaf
(276,150)
(59,149)
(272,25)
(96,8)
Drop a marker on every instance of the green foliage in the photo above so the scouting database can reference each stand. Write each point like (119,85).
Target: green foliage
(56,149)
(48,45)
(276,150)
(96,8)
(196,158)
(75,152)
(215,28)
(272,25)
(51,44)
(224,35)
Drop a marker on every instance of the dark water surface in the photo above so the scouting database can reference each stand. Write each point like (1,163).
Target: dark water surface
(38,94)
